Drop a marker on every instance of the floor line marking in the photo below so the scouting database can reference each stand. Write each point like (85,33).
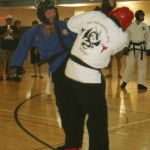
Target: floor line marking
(122,125)
(29,115)
(128,124)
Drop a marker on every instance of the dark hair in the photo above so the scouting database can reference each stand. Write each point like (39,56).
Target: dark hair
(17,22)
(35,22)
(66,19)
(106,7)
(139,13)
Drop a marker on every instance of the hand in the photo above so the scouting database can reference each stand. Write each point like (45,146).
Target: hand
(6,33)
(36,51)
(148,52)
(17,73)
(10,33)
(125,51)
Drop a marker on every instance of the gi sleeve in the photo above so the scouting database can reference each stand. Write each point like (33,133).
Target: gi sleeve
(147,39)
(20,55)
(74,22)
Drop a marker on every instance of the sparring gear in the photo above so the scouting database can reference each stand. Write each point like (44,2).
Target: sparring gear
(106,6)
(44,6)
(124,15)
(123,85)
(125,51)
(141,87)
(139,14)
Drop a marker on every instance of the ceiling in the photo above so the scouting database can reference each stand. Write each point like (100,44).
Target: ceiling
(17,3)
(11,3)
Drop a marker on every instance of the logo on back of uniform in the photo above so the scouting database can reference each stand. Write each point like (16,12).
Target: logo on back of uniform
(93,37)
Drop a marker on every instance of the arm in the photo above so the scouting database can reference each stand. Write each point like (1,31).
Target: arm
(16,32)
(21,55)
(4,31)
(74,22)
(147,39)
(16,36)
(21,52)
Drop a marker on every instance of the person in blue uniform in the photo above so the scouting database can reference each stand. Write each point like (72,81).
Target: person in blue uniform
(46,38)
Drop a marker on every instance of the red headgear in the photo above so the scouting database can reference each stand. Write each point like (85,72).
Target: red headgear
(124,15)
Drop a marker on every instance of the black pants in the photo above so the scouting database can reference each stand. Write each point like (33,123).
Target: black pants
(76,100)
(35,58)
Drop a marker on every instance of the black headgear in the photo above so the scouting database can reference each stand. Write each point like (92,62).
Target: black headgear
(106,6)
(138,14)
(43,6)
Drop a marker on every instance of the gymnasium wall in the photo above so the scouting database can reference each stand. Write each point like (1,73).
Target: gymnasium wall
(27,15)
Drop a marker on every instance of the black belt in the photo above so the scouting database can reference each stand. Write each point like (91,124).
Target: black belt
(142,48)
(79,61)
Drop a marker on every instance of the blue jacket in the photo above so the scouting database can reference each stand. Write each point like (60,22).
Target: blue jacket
(47,46)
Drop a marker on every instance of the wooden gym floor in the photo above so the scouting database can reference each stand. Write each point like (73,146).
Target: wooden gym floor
(29,119)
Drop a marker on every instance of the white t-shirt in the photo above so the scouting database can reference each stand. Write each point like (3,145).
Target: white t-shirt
(98,38)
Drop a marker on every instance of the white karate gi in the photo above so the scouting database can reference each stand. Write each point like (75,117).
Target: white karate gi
(98,38)
(137,34)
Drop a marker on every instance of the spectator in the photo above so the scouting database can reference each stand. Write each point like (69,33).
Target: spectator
(8,35)
(35,57)
(139,43)
(17,32)
(17,35)
(118,57)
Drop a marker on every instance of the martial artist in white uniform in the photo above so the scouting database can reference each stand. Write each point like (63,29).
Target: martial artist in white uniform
(139,43)
(98,38)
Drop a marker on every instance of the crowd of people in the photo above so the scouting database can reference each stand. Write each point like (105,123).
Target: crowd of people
(10,34)
(76,50)
(9,38)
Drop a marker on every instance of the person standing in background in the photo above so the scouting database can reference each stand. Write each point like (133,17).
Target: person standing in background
(17,32)
(139,44)
(17,35)
(35,57)
(8,35)
(118,57)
